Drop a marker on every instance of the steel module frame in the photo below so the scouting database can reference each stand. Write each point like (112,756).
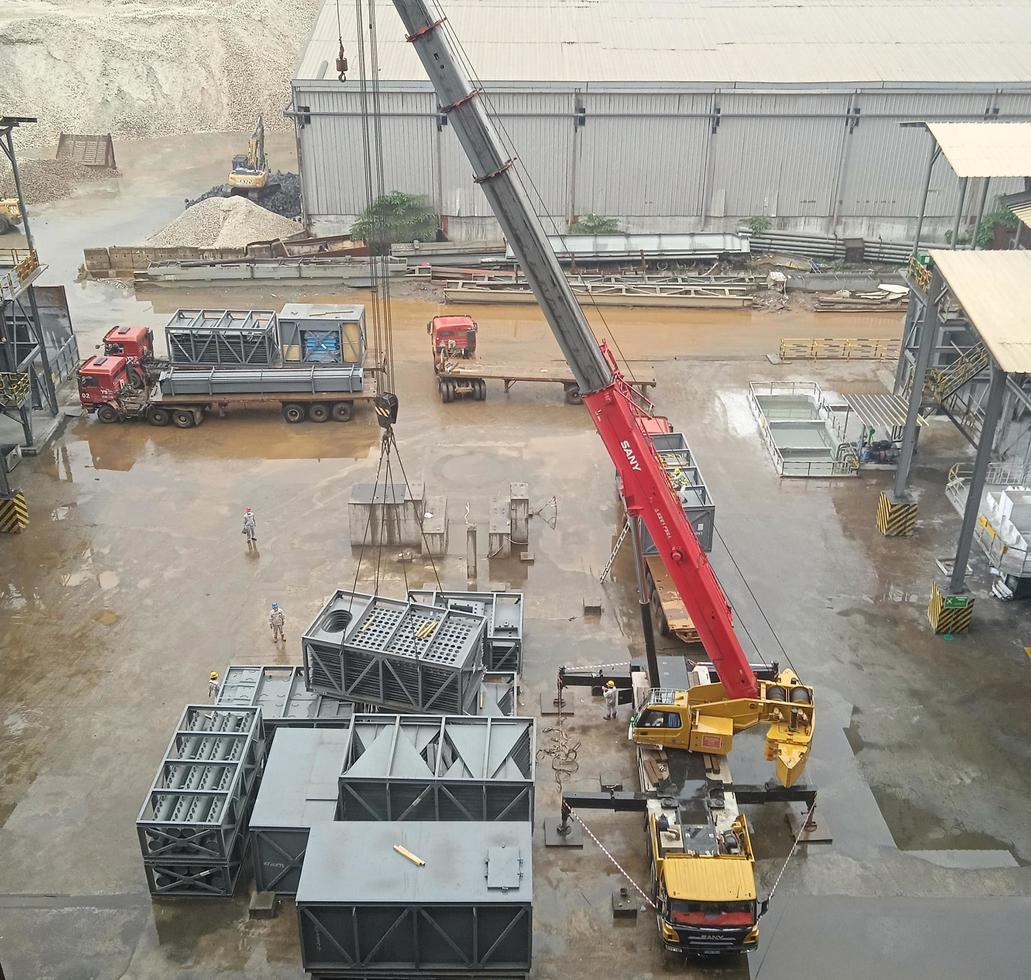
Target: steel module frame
(410,767)
(194,816)
(468,912)
(395,654)
(285,702)
(503,644)
(227,338)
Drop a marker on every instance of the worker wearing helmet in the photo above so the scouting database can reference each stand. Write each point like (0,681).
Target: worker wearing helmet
(213,684)
(276,620)
(611,696)
(250,527)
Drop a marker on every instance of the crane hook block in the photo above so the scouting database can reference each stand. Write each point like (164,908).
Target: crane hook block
(386,409)
(341,65)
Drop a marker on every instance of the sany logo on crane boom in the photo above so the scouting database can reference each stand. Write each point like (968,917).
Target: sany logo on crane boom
(630,457)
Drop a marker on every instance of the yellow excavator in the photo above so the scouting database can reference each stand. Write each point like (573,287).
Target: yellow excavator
(251,174)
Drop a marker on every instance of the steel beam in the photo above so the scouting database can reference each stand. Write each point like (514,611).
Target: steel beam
(935,153)
(957,581)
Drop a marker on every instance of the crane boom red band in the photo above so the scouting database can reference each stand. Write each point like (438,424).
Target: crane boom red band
(422,31)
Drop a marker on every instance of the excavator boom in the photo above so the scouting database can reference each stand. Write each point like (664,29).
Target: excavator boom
(612,405)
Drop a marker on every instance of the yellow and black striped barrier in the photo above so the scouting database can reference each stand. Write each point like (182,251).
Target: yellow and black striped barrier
(949,613)
(14,514)
(895,518)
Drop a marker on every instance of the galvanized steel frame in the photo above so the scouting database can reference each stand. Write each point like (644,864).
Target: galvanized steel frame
(226,338)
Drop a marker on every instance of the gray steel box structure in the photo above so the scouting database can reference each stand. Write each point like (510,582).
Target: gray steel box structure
(679,464)
(329,334)
(191,827)
(468,911)
(228,338)
(298,789)
(285,702)
(411,767)
(397,655)
(503,644)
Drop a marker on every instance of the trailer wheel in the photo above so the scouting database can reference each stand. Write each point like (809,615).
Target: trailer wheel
(294,412)
(343,411)
(158,416)
(318,412)
(108,414)
(446,391)
(184,418)
(573,396)
(481,390)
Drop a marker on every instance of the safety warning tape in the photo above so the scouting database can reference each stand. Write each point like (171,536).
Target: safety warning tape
(14,514)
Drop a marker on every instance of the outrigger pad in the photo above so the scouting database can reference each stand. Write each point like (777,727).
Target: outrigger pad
(819,833)
(552,837)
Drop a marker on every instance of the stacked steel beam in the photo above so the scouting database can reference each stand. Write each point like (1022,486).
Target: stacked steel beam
(192,827)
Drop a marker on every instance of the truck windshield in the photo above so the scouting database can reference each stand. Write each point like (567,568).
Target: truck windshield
(712,913)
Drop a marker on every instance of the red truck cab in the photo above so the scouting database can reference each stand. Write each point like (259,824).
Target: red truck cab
(133,343)
(453,336)
(102,380)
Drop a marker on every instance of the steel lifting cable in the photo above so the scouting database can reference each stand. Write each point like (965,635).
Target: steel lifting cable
(604,850)
(509,146)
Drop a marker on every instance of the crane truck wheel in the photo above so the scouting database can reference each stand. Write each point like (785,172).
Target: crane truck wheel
(158,416)
(294,413)
(318,412)
(343,411)
(573,396)
(184,418)
(108,414)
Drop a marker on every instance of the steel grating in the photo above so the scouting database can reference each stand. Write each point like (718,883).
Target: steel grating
(196,811)
(407,767)
(298,789)
(279,690)
(395,654)
(467,911)
(503,611)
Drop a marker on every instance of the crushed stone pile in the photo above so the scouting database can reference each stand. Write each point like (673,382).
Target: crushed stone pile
(285,201)
(223,222)
(145,68)
(48,180)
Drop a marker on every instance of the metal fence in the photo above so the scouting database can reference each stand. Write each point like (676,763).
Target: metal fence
(191,827)
(839,348)
(407,767)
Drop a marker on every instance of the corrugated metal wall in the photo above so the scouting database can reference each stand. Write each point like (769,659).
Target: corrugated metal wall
(819,162)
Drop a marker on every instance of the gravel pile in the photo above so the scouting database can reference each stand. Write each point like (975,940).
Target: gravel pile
(223,222)
(285,201)
(142,68)
(48,180)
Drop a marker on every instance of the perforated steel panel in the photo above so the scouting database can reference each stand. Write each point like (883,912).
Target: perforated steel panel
(503,612)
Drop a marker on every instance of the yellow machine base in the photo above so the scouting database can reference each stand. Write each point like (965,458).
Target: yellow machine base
(949,613)
(895,518)
(14,514)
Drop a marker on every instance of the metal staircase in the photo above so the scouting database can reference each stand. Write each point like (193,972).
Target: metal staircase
(941,384)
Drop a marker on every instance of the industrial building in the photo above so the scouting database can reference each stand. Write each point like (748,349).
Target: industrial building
(673,116)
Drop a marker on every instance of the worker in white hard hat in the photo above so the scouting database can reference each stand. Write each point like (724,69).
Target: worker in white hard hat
(213,684)
(611,696)
(250,527)
(276,620)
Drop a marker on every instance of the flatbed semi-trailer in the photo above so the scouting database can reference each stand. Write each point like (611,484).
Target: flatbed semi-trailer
(116,390)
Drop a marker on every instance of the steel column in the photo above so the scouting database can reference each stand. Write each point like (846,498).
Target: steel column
(980,211)
(957,581)
(928,337)
(959,212)
(935,152)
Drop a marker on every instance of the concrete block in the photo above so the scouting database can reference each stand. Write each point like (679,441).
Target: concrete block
(262,905)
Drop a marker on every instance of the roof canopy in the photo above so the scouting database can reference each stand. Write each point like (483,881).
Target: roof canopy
(994,289)
(985,149)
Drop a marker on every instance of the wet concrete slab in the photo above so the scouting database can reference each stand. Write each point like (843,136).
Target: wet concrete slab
(133,582)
